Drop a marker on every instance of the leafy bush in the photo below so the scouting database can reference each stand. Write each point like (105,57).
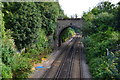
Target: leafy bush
(89,28)
(42,41)
(49,14)
(41,47)
(16,65)
(103,18)
(117,54)
(24,22)
(104,67)
(6,71)
(8,48)
(102,40)
(12,63)
(98,68)
(20,66)
(118,18)
(101,64)
(28,23)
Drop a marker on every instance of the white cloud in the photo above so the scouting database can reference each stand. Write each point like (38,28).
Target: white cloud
(72,7)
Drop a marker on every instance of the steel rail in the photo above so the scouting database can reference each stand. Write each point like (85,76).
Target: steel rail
(72,60)
(62,53)
(64,62)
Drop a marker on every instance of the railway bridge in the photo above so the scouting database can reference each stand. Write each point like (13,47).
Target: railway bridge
(68,61)
(63,24)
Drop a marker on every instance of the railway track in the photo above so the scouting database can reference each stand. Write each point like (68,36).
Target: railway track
(67,64)
(50,72)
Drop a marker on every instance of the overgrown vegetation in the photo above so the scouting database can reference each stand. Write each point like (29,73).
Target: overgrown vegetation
(102,40)
(67,34)
(25,28)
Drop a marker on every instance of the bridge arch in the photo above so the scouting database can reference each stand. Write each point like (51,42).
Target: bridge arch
(63,24)
(62,30)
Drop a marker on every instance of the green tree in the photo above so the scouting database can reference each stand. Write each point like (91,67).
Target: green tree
(101,40)
(6,49)
(49,13)
(104,19)
(24,22)
(118,17)
(106,6)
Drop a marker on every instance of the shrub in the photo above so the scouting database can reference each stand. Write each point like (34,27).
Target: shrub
(103,18)
(104,68)
(42,41)
(8,48)
(6,71)
(41,47)
(101,65)
(117,53)
(88,29)
(97,68)
(20,66)
(24,22)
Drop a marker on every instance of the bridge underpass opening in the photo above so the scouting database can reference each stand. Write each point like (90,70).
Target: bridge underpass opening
(67,33)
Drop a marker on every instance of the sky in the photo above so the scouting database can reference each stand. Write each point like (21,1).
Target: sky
(72,7)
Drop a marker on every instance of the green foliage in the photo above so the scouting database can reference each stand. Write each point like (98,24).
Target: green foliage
(75,29)
(6,71)
(21,66)
(26,26)
(41,47)
(103,18)
(66,34)
(49,13)
(13,65)
(24,22)
(106,6)
(96,45)
(88,16)
(88,29)
(26,19)
(101,39)
(98,68)
(118,18)
(2,32)
(117,54)
(95,10)
(103,68)
(42,41)
(8,48)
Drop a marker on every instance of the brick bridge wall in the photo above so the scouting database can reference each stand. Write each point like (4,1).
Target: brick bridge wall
(64,23)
